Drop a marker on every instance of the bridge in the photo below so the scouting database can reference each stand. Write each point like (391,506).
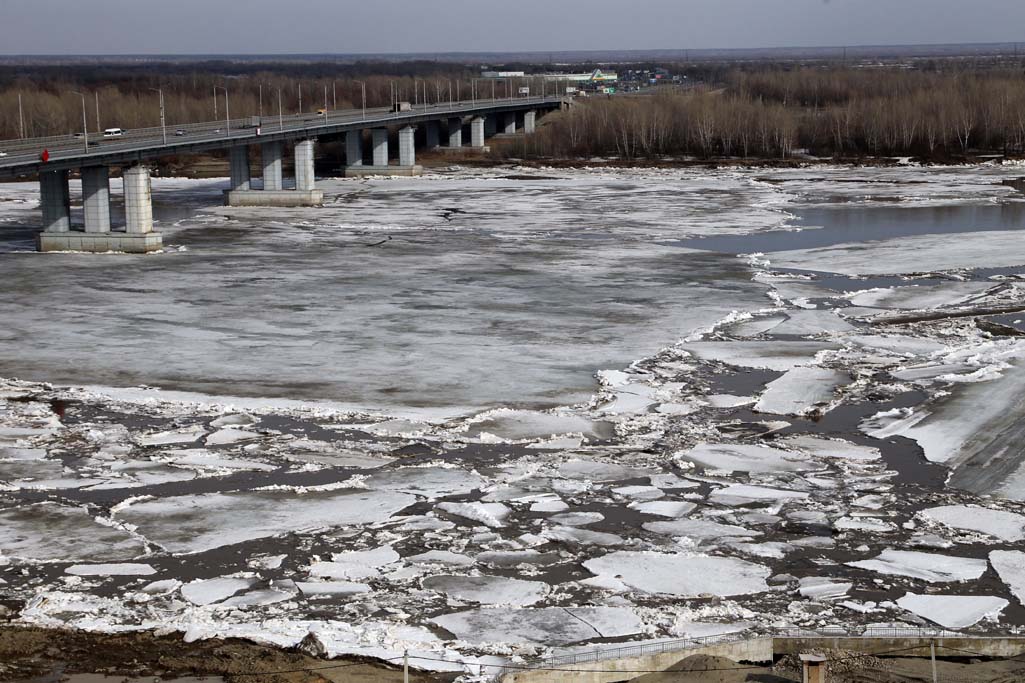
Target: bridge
(53,159)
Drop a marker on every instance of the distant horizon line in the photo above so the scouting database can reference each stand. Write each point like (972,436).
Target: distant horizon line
(508,53)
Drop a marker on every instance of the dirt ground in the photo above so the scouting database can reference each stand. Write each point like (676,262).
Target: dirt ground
(32,655)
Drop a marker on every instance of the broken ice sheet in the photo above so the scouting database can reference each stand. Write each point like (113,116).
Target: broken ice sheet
(832,448)
(1006,526)
(682,575)
(953,611)
(801,390)
(194,523)
(544,625)
(1010,567)
(931,567)
(488,590)
(55,533)
(746,458)
(743,494)
(768,355)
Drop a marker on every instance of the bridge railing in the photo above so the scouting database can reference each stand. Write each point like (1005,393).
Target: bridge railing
(270,122)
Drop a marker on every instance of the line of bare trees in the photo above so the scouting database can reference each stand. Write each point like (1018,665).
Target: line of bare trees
(49,105)
(828,112)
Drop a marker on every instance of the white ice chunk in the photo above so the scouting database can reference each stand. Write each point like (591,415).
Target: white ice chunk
(774,355)
(546,625)
(953,611)
(699,529)
(1010,567)
(801,390)
(49,532)
(122,569)
(488,590)
(822,588)
(664,508)
(742,494)
(331,588)
(931,567)
(746,458)
(681,575)
(832,448)
(1007,526)
(184,435)
(230,435)
(488,514)
(194,523)
(209,591)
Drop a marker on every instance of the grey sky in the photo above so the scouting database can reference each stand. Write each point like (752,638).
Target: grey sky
(346,26)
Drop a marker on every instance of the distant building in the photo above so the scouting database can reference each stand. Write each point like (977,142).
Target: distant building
(503,74)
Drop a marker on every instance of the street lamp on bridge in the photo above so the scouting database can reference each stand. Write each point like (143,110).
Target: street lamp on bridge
(85,125)
(363,89)
(227,115)
(163,123)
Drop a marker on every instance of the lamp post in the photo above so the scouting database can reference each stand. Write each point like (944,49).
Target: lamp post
(261,100)
(300,98)
(363,89)
(325,101)
(21,118)
(334,94)
(163,123)
(96,96)
(281,115)
(227,116)
(85,125)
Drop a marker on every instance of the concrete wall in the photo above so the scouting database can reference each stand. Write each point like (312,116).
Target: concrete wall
(608,670)
(991,647)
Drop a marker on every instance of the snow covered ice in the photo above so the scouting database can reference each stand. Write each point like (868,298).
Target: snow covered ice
(570,422)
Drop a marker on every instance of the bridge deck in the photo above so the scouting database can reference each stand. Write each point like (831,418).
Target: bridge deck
(67,152)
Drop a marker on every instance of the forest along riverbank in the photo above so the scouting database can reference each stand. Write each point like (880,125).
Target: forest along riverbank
(771,439)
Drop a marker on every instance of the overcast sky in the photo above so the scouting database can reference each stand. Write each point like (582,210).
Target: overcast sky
(350,26)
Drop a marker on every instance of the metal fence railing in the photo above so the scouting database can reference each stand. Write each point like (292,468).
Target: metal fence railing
(641,649)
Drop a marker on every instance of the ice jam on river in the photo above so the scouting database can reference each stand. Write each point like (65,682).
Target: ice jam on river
(488,415)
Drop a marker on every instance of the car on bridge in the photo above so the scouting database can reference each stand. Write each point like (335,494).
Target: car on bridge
(181,132)
(114,132)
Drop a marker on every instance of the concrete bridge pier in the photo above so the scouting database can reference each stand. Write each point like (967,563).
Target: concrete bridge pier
(432,134)
(96,237)
(55,201)
(455,132)
(407,146)
(238,166)
(529,121)
(509,123)
(477,132)
(407,155)
(271,154)
(273,192)
(354,148)
(380,142)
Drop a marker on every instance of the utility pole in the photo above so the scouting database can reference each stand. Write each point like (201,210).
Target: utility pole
(85,124)
(163,125)
(261,100)
(334,94)
(96,95)
(21,117)
(215,103)
(281,116)
(227,116)
(300,97)
(325,101)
